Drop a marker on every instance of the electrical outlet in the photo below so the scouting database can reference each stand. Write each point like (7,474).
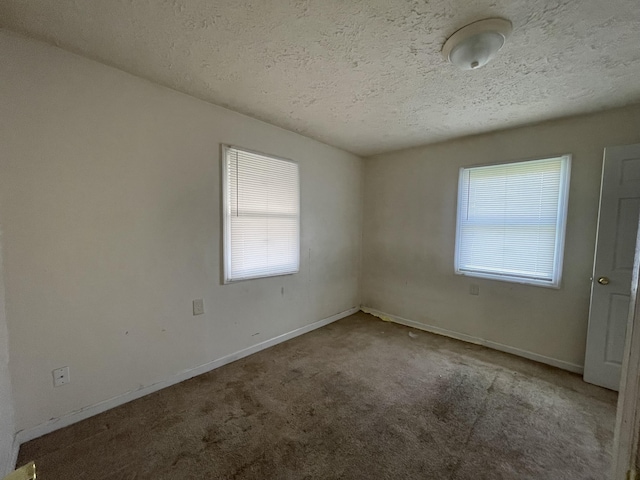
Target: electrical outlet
(198,307)
(61,376)
(474,289)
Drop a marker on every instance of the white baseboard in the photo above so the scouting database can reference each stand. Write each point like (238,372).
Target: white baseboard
(86,412)
(572,367)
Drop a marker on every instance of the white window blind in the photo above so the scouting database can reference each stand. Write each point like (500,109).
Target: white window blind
(511,221)
(261,215)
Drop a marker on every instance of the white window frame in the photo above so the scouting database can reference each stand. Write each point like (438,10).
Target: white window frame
(226,220)
(561,224)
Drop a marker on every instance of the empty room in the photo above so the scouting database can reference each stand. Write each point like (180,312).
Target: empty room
(298,239)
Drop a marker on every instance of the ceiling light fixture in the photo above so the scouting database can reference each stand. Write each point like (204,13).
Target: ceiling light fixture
(474,45)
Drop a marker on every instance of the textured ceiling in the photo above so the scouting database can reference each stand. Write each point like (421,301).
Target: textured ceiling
(363,75)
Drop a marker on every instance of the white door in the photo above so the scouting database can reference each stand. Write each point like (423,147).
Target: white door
(615,247)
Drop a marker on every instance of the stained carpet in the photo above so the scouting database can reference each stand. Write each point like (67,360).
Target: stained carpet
(357,399)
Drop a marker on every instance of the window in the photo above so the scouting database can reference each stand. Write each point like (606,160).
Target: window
(511,221)
(261,202)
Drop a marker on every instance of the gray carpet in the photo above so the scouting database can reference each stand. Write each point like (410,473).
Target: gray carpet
(360,399)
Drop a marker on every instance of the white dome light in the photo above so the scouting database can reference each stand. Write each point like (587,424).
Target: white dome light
(476,44)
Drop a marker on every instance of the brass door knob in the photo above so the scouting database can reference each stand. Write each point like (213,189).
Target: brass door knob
(603,280)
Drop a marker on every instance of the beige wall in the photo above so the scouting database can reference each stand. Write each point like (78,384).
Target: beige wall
(409,236)
(110,198)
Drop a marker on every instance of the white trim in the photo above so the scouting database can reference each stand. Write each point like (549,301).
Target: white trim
(563,216)
(572,367)
(625,439)
(561,225)
(224,205)
(73,417)
(226,216)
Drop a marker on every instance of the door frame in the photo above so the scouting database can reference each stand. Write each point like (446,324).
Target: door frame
(627,430)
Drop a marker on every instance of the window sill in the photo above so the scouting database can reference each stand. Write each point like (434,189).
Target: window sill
(511,279)
(228,281)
